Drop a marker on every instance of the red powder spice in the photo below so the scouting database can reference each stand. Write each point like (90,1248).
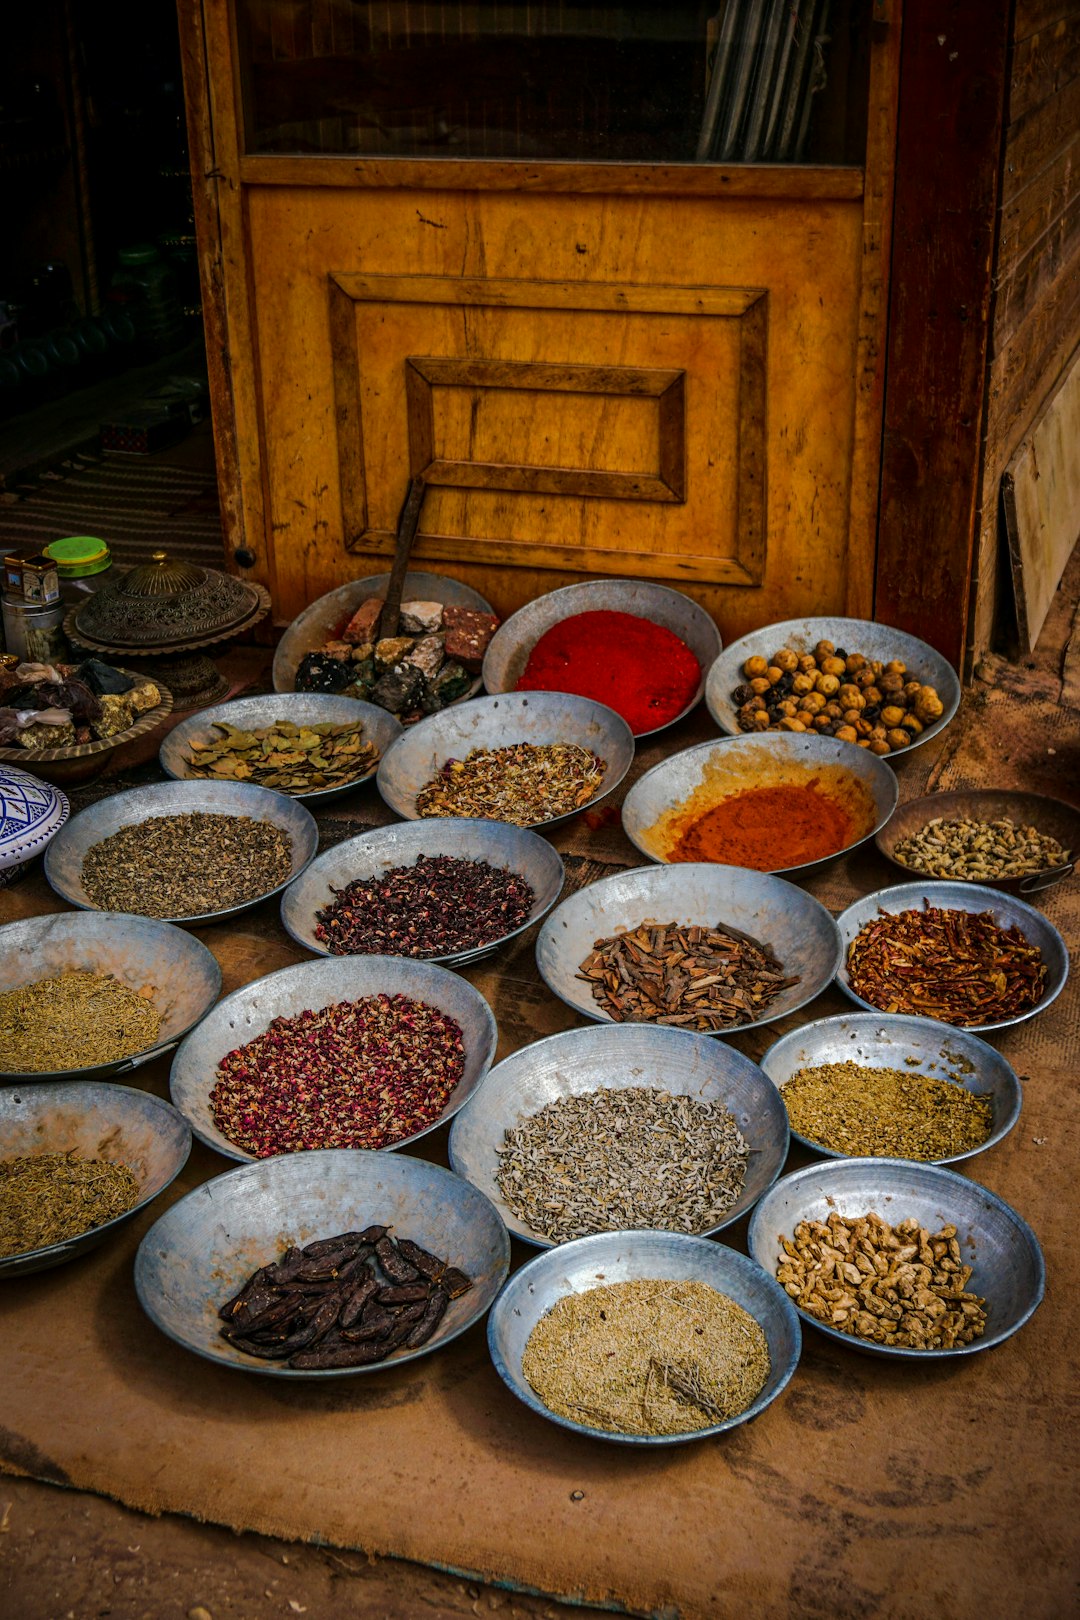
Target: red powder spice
(767,828)
(641,670)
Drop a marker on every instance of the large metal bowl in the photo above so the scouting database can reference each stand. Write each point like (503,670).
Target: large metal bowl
(510,647)
(173,969)
(311,629)
(914,1045)
(302,708)
(1005,909)
(203,1249)
(65,855)
(97,1121)
(694,781)
(615,1257)
(248,1012)
(511,849)
(580,1061)
(499,722)
(797,928)
(855,636)
(1008,1268)
(1049,816)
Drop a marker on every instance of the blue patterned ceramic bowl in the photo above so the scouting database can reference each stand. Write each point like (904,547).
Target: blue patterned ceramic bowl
(31,812)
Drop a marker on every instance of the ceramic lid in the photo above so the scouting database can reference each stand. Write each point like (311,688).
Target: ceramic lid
(163,604)
(31,812)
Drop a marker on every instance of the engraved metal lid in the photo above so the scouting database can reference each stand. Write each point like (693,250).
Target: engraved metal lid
(164,605)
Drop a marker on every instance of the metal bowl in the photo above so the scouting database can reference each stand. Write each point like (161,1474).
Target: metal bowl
(75,762)
(797,928)
(1048,816)
(854,635)
(311,629)
(1006,911)
(580,1061)
(509,650)
(174,969)
(204,1248)
(64,856)
(248,1012)
(1008,1268)
(511,849)
(98,1121)
(615,1257)
(693,782)
(303,709)
(498,722)
(894,1041)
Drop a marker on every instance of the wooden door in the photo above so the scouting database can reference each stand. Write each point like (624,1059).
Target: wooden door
(664,369)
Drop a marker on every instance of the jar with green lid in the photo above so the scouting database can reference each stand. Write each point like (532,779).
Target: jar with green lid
(145,284)
(82,563)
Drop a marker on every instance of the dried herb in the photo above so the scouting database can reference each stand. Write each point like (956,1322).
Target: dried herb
(186,865)
(885,1113)
(692,977)
(49,1198)
(287,757)
(524,783)
(959,966)
(73,1021)
(436,907)
(979,850)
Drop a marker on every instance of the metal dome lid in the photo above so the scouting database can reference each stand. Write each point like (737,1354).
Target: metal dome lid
(162,605)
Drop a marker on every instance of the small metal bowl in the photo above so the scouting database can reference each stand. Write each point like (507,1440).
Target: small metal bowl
(174,969)
(797,928)
(512,644)
(98,1121)
(499,722)
(511,849)
(302,709)
(915,1045)
(64,856)
(1008,1268)
(616,1257)
(1049,816)
(855,636)
(249,1011)
(580,1061)
(701,777)
(202,1250)
(1006,911)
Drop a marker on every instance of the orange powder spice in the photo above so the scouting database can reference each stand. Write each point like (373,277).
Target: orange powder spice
(766,828)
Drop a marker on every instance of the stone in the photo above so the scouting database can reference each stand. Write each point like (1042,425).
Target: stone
(421,618)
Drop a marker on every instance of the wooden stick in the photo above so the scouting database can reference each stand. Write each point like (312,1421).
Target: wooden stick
(408,523)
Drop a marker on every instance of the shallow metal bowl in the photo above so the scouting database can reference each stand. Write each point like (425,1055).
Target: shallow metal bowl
(509,848)
(1008,1268)
(499,722)
(855,636)
(580,1061)
(302,708)
(173,969)
(202,1250)
(797,928)
(65,855)
(97,1121)
(915,1045)
(1005,909)
(615,1257)
(248,1012)
(311,629)
(701,777)
(1049,816)
(510,647)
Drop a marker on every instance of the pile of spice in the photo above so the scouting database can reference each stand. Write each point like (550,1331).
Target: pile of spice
(839,694)
(697,978)
(345,1301)
(524,783)
(356,1074)
(186,865)
(900,1285)
(979,851)
(285,756)
(769,828)
(647,1357)
(959,966)
(616,1160)
(643,671)
(57,705)
(885,1113)
(50,1198)
(438,906)
(73,1021)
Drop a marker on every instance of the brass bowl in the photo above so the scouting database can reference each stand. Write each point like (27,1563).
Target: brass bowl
(77,762)
(1049,816)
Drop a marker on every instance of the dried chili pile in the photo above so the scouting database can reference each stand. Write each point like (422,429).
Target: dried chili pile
(959,966)
(789,824)
(642,670)
(440,905)
(356,1074)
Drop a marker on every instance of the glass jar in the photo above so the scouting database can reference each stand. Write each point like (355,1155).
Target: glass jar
(147,288)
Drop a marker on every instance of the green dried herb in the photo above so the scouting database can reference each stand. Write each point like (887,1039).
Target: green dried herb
(287,757)
(73,1021)
(52,1197)
(885,1113)
(186,866)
